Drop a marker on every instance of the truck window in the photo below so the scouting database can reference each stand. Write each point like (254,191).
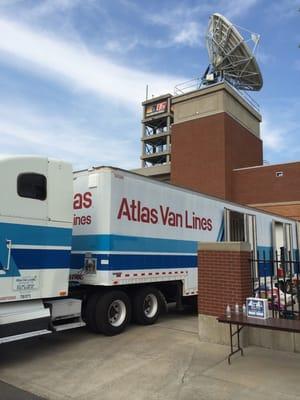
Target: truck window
(32,186)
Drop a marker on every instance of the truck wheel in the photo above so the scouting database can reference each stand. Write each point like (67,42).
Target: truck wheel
(90,312)
(147,305)
(113,312)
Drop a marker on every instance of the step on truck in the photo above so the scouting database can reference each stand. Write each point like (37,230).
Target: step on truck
(103,246)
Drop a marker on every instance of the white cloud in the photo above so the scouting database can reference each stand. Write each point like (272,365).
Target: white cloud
(280,128)
(189,35)
(187,24)
(121,46)
(25,129)
(75,65)
(4,3)
(237,8)
(286,9)
(265,58)
(48,7)
(272,135)
(183,26)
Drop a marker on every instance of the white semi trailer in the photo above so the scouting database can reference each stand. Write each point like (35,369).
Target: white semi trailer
(128,244)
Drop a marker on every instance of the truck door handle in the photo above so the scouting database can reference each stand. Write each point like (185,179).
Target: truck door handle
(9,245)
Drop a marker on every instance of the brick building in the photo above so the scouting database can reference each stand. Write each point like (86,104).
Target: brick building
(208,140)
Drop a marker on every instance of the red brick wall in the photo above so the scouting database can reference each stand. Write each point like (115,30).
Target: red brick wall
(205,150)
(260,185)
(198,155)
(224,277)
(243,149)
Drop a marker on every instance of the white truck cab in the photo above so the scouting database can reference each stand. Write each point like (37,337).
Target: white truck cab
(35,239)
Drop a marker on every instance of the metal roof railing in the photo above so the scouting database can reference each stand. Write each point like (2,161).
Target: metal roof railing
(200,83)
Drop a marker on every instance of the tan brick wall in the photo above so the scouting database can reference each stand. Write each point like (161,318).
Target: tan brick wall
(224,277)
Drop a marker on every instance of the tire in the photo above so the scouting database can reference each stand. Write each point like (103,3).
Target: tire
(191,302)
(90,312)
(112,313)
(147,305)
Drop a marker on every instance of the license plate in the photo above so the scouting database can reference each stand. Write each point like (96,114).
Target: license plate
(26,282)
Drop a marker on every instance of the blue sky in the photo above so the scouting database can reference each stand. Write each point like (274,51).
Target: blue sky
(73,72)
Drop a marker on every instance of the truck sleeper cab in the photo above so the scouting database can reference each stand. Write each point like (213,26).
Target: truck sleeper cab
(35,241)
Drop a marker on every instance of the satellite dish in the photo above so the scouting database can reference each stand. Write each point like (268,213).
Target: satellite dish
(230,56)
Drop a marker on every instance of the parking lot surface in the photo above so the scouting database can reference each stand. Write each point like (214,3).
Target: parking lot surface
(165,361)
(8,392)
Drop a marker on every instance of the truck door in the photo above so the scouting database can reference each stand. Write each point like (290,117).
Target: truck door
(234,229)
(251,238)
(282,242)
(251,235)
(34,250)
(241,227)
(23,210)
(282,236)
(298,239)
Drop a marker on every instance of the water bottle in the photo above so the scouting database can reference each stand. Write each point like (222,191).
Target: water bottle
(244,309)
(228,311)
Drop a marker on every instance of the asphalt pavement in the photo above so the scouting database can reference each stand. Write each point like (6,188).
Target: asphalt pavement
(9,392)
(165,361)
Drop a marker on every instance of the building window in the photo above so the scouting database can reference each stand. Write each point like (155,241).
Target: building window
(32,186)
(279,174)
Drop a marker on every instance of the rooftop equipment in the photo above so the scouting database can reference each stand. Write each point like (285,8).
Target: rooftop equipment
(231,55)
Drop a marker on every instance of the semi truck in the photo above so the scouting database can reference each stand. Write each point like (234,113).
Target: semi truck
(103,246)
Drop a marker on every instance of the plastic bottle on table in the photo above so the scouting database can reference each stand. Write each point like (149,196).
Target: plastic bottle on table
(244,309)
(228,311)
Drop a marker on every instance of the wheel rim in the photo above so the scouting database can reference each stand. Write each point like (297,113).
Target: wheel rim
(117,313)
(150,305)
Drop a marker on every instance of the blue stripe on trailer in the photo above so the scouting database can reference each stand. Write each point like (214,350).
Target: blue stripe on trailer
(137,261)
(131,243)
